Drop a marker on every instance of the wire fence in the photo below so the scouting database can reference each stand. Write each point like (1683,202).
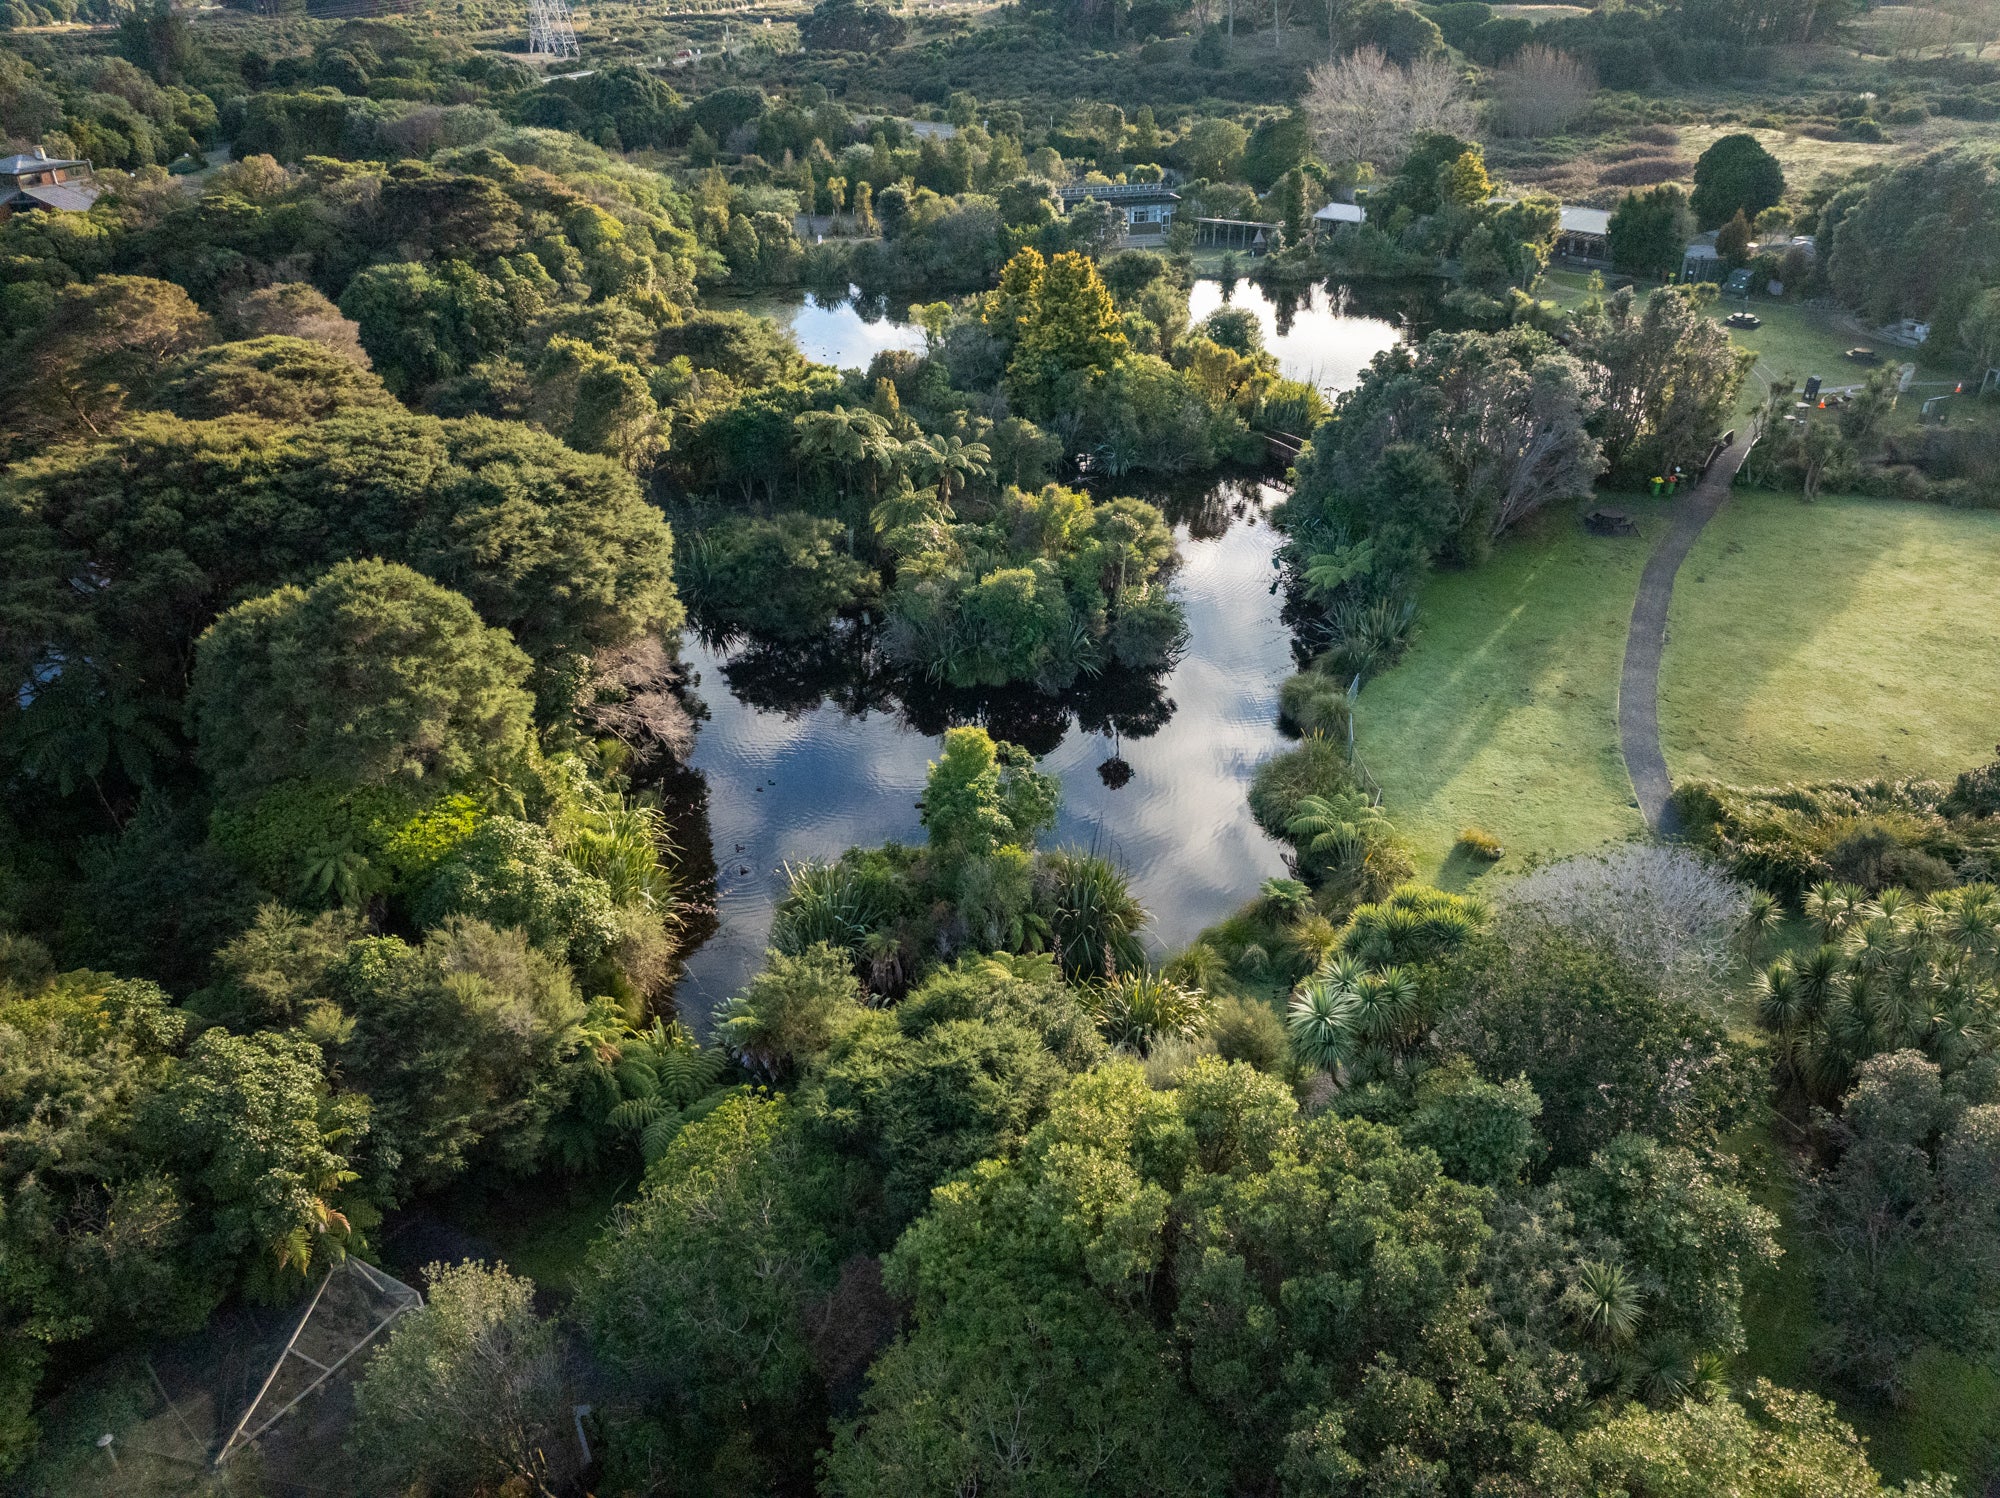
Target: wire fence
(1362,777)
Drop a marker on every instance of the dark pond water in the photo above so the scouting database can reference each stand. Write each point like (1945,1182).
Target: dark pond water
(806,753)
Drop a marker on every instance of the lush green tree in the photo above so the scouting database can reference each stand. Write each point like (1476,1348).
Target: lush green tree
(959,1073)
(372,676)
(697,1300)
(1735,175)
(1027,1285)
(283,379)
(471,1392)
(1605,1053)
(1650,232)
(1068,325)
(1685,1235)
(1920,241)
(1670,377)
(785,578)
(851,26)
(558,548)
(1279,145)
(1910,1217)
(1776,1442)
(421,324)
(1482,1133)
(1733,242)
(982,795)
(598,403)
(1504,416)
(1213,148)
(510,873)
(1321,1321)
(93,1237)
(791,1011)
(101,347)
(293,309)
(264,1147)
(462,1046)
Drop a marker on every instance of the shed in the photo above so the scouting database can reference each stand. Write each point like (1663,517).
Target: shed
(1341,213)
(1701,261)
(1584,236)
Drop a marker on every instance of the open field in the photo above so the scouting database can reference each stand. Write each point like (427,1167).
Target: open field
(1504,712)
(1854,638)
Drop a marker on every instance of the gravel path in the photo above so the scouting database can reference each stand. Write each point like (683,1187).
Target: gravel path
(1646,639)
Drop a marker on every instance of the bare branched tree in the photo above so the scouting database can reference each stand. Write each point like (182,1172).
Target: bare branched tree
(1539,92)
(1365,108)
(1666,912)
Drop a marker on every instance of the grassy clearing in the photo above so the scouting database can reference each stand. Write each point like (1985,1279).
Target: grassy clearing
(1797,341)
(1854,638)
(1504,713)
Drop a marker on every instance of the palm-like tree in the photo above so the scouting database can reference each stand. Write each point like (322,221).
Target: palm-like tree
(1323,1018)
(338,871)
(1905,974)
(954,461)
(1346,824)
(1327,572)
(1605,1299)
(882,948)
(1833,907)
(840,440)
(1289,895)
(660,1073)
(906,507)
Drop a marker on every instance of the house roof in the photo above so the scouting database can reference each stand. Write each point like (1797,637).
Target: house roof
(71,197)
(1117,192)
(1585,221)
(13,166)
(1342,213)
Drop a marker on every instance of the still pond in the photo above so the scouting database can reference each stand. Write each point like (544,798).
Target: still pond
(804,757)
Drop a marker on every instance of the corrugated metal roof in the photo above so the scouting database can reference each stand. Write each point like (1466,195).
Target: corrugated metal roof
(1586,221)
(1342,213)
(71,197)
(13,166)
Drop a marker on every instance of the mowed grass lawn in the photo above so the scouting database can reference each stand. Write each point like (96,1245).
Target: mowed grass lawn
(1848,639)
(1797,342)
(1504,712)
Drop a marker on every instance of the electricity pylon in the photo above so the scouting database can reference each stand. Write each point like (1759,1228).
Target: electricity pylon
(549,31)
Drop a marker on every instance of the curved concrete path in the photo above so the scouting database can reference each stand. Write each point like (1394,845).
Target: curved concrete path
(1646,638)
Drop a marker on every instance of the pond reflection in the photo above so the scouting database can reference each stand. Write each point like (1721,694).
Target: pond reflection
(846,331)
(808,752)
(1320,334)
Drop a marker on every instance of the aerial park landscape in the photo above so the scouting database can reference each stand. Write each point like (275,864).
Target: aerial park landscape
(1025,748)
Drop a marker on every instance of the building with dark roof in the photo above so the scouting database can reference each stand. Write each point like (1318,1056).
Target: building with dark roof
(1146,207)
(41,182)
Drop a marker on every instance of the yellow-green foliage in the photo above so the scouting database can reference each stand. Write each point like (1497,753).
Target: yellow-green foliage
(415,848)
(1416,923)
(1480,843)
